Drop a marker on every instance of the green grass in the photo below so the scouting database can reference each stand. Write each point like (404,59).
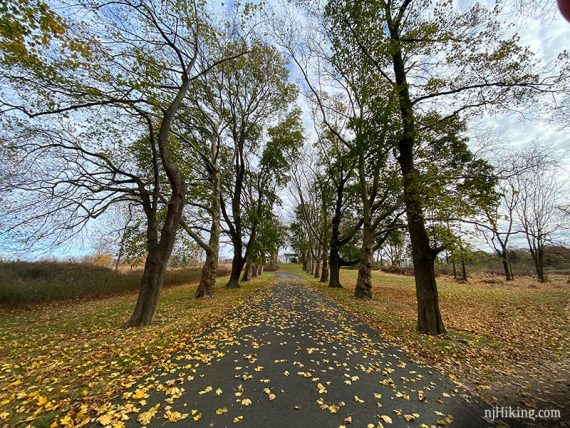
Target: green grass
(29,283)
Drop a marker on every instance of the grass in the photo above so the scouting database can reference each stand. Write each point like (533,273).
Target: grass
(497,333)
(63,362)
(29,283)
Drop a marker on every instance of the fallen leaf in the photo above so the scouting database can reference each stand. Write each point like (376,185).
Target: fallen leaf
(171,416)
(144,418)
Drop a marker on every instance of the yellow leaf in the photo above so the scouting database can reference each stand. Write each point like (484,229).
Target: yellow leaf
(219,391)
(66,421)
(197,417)
(386,419)
(402,395)
(139,394)
(144,418)
(171,416)
(238,419)
(221,411)
(358,400)
(106,419)
(348,420)
(206,390)
(245,402)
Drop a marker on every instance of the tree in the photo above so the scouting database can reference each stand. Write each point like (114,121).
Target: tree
(270,238)
(496,220)
(117,70)
(437,60)
(313,195)
(204,123)
(537,212)
(257,93)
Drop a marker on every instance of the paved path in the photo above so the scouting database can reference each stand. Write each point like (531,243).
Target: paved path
(293,358)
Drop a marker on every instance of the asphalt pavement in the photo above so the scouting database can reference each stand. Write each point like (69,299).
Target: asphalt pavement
(291,357)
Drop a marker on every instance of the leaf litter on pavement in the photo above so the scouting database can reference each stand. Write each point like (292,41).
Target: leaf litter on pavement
(243,367)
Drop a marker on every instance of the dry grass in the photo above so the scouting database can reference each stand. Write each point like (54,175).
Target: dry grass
(62,362)
(30,283)
(501,336)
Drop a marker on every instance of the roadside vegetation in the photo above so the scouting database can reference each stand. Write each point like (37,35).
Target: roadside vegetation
(29,283)
(65,362)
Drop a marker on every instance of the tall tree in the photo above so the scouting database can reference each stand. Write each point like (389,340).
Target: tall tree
(537,211)
(441,60)
(134,61)
(257,93)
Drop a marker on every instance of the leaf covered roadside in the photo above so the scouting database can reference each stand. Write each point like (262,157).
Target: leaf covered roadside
(59,364)
(508,343)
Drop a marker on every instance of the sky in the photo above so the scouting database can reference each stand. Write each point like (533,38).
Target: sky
(542,28)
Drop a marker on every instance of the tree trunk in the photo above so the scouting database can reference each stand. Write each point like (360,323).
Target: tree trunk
(259,269)
(309,263)
(254,271)
(429,315)
(511,269)
(157,258)
(335,244)
(156,263)
(454,268)
(463,271)
(245,276)
(363,289)
(540,265)
(324,269)
(334,267)
(317,268)
(208,276)
(210,268)
(237,265)
(507,266)
(119,257)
